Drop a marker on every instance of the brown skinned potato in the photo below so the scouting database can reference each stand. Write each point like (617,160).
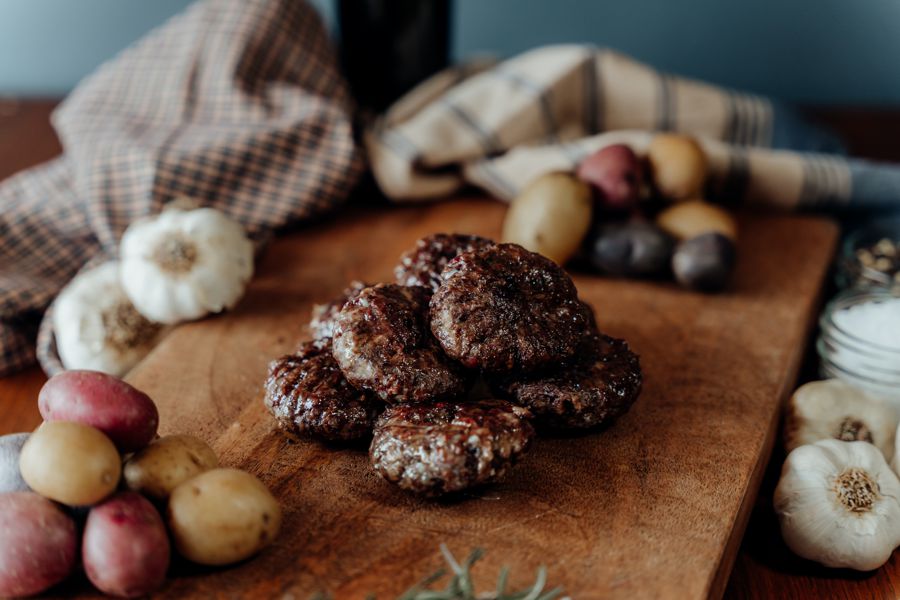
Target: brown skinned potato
(692,218)
(71,463)
(678,166)
(222,516)
(551,216)
(160,467)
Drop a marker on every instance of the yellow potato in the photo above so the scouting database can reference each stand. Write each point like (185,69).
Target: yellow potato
(687,220)
(222,516)
(678,166)
(551,216)
(169,461)
(71,463)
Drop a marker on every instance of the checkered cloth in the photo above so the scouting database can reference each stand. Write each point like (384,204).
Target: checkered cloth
(499,125)
(237,104)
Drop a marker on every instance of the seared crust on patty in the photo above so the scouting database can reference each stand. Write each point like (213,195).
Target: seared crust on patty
(321,323)
(423,264)
(447,447)
(309,396)
(594,387)
(383,344)
(503,309)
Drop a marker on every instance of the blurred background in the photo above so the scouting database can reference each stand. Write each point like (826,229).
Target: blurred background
(814,53)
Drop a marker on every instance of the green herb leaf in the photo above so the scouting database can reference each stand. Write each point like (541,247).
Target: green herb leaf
(460,586)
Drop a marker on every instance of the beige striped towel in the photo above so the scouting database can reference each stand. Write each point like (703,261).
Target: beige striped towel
(499,125)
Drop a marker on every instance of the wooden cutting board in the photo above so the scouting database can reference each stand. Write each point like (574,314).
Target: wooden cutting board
(653,507)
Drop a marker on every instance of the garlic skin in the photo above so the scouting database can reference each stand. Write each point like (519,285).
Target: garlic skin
(97,327)
(184,264)
(833,409)
(838,504)
(895,462)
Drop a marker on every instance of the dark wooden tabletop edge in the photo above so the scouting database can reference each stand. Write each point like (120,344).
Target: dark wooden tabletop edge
(729,556)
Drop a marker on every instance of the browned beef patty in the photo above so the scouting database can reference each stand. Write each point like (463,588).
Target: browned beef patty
(434,449)
(593,388)
(309,396)
(383,343)
(422,264)
(503,309)
(591,318)
(321,325)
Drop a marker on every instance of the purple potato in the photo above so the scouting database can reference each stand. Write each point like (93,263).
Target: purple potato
(630,250)
(10,449)
(704,263)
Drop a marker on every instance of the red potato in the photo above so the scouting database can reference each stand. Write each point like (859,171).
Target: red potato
(38,544)
(616,174)
(125,549)
(126,415)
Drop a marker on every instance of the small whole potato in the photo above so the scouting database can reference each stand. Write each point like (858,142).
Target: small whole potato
(222,516)
(160,467)
(616,175)
(704,263)
(687,220)
(678,166)
(551,216)
(39,546)
(71,463)
(126,415)
(630,249)
(125,548)
(10,449)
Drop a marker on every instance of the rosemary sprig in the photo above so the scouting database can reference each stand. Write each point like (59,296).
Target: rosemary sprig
(461,587)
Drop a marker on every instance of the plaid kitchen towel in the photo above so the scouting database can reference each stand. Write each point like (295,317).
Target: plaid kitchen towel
(236,104)
(499,125)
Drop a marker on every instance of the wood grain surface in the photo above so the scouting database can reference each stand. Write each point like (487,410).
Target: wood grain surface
(653,507)
(764,569)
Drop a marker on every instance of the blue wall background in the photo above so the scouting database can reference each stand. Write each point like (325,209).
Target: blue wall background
(810,51)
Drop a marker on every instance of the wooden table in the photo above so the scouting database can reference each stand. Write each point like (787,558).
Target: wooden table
(764,567)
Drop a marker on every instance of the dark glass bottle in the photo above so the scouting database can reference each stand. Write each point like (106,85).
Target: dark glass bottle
(388,46)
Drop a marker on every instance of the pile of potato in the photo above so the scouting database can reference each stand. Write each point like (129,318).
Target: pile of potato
(631,216)
(95,477)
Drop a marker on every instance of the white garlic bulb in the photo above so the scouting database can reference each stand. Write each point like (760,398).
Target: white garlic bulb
(839,504)
(832,408)
(97,327)
(184,264)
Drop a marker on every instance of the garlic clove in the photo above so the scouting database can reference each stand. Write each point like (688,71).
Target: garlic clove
(834,409)
(184,264)
(97,327)
(838,503)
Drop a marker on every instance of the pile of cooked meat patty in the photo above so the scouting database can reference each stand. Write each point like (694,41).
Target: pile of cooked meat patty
(410,364)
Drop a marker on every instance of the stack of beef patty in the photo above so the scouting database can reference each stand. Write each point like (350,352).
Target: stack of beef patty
(411,363)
